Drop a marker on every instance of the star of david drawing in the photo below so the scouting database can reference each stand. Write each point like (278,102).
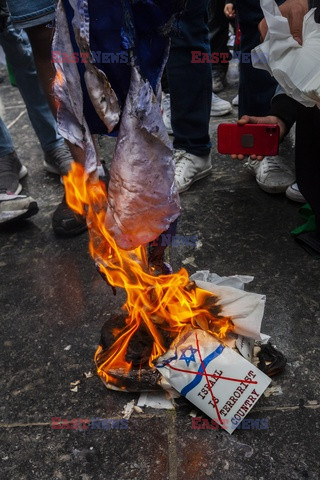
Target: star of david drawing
(191,357)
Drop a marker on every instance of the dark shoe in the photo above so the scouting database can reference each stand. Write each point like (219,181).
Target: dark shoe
(271,361)
(218,81)
(58,160)
(11,171)
(67,223)
(156,260)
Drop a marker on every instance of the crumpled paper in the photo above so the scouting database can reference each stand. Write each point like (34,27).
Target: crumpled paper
(67,89)
(294,66)
(142,197)
(245,308)
(235,281)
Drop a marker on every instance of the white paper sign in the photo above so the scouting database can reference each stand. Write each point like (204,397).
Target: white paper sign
(215,378)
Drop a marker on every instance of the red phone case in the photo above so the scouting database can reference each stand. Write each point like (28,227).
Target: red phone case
(249,139)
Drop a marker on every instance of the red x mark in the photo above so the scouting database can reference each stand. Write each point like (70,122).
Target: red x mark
(207,375)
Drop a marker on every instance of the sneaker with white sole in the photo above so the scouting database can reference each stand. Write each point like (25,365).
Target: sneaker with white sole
(11,171)
(58,160)
(14,207)
(219,107)
(190,168)
(294,194)
(272,175)
(166,112)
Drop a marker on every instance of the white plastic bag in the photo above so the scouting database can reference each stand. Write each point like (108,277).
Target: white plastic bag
(295,67)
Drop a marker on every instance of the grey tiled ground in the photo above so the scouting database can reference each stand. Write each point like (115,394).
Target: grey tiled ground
(52,298)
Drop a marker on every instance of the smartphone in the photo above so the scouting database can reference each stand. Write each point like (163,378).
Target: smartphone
(249,139)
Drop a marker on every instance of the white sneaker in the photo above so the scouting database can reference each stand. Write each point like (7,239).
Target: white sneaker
(166,112)
(294,194)
(271,174)
(13,207)
(219,106)
(189,169)
(235,101)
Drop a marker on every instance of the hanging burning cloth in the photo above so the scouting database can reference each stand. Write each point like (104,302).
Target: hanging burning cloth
(96,95)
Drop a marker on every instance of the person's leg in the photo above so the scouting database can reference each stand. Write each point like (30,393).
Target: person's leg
(64,221)
(18,52)
(12,205)
(308,157)
(36,17)
(40,38)
(308,171)
(256,87)
(11,169)
(190,86)
(190,83)
(6,145)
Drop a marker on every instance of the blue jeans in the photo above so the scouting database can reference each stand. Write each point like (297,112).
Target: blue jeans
(26,14)
(190,84)
(18,52)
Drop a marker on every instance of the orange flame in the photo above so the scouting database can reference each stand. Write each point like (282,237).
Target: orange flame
(163,305)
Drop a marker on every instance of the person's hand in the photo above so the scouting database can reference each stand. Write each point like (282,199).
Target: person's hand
(229,10)
(294,11)
(269,119)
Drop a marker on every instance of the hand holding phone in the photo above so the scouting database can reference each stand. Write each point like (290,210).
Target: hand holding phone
(249,139)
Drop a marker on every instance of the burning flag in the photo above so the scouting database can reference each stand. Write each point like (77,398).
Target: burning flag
(142,200)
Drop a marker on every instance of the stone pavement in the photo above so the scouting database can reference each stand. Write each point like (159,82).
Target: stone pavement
(53,304)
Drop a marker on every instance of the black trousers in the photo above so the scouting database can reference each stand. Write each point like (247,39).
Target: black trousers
(256,87)
(218,32)
(308,156)
(190,84)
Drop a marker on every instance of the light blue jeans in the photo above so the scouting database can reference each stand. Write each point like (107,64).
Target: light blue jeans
(18,52)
